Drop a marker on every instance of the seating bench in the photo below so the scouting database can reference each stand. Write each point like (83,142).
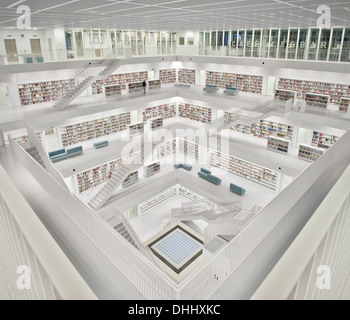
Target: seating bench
(237,190)
(183,166)
(231,91)
(206,174)
(74,152)
(63,154)
(182,85)
(101,144)
(210,88)
(58,155)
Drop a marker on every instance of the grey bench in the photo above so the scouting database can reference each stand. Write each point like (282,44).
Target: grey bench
(210,88)
(101,144)
(231,91)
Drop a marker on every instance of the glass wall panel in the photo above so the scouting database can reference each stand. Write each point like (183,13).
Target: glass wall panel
(226,42)
(313,44)
(79,43)
(257,43)
(213,40)
(241,43)
(324,44)
(220,39)
(234,38)
(302,44)
(112,37)
(133,42)
(201,43)
(273,44)
(249,43)
(206,43)
(292,46)
(345,54)
(337,37)
(283,44)
(173,42)
(96,43)
(265,43)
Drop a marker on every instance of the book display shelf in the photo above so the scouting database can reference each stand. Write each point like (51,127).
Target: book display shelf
(89,130)
(323,140)
(135,87)
(310,153)
(166,149)
(41,92)
(137,128)
(278,144)
(264,129)
(285,95)
(20,136)
(187,76)
(119,79)
(344,104)
(156,123)
(132,178)
(244,83)
(317,100)
(154,84)
(92,178)
(333,90)
(167,76)
(244,169)
(165,111)
(196,113)
(189,148)
(158,199)
(151,169)
(114,90)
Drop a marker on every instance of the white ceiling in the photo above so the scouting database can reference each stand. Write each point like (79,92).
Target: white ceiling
(174,15)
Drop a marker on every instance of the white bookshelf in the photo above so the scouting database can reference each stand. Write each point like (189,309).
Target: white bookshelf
(136,128)
(113,90)
(244,169)
(135,87)
(154,84)
(188,148)
(187,76)
(151,169)
(166,149)
(310,153)
(344,104)
(167,76)
(285,95)
(156,123)
(196,113)
(89,130)
(165,111)
(119,79)
(323,140)
(131,179)
(278,145)
(243,82)
(42,92)
(156,200)
(317,100)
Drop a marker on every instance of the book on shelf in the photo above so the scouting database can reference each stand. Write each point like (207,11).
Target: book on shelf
(278,144)
(310,153)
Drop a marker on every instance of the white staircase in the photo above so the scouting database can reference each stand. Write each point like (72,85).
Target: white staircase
(122,173)
(64,101)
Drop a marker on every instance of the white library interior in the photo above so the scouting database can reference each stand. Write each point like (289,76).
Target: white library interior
(170,149)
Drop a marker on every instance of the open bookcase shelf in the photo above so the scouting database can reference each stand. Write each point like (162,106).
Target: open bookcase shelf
(244,83)
(89,130)
(302,87)
(41,92)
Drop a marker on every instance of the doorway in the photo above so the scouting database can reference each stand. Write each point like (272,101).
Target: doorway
(271,86)
(36,47)
(11,50)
